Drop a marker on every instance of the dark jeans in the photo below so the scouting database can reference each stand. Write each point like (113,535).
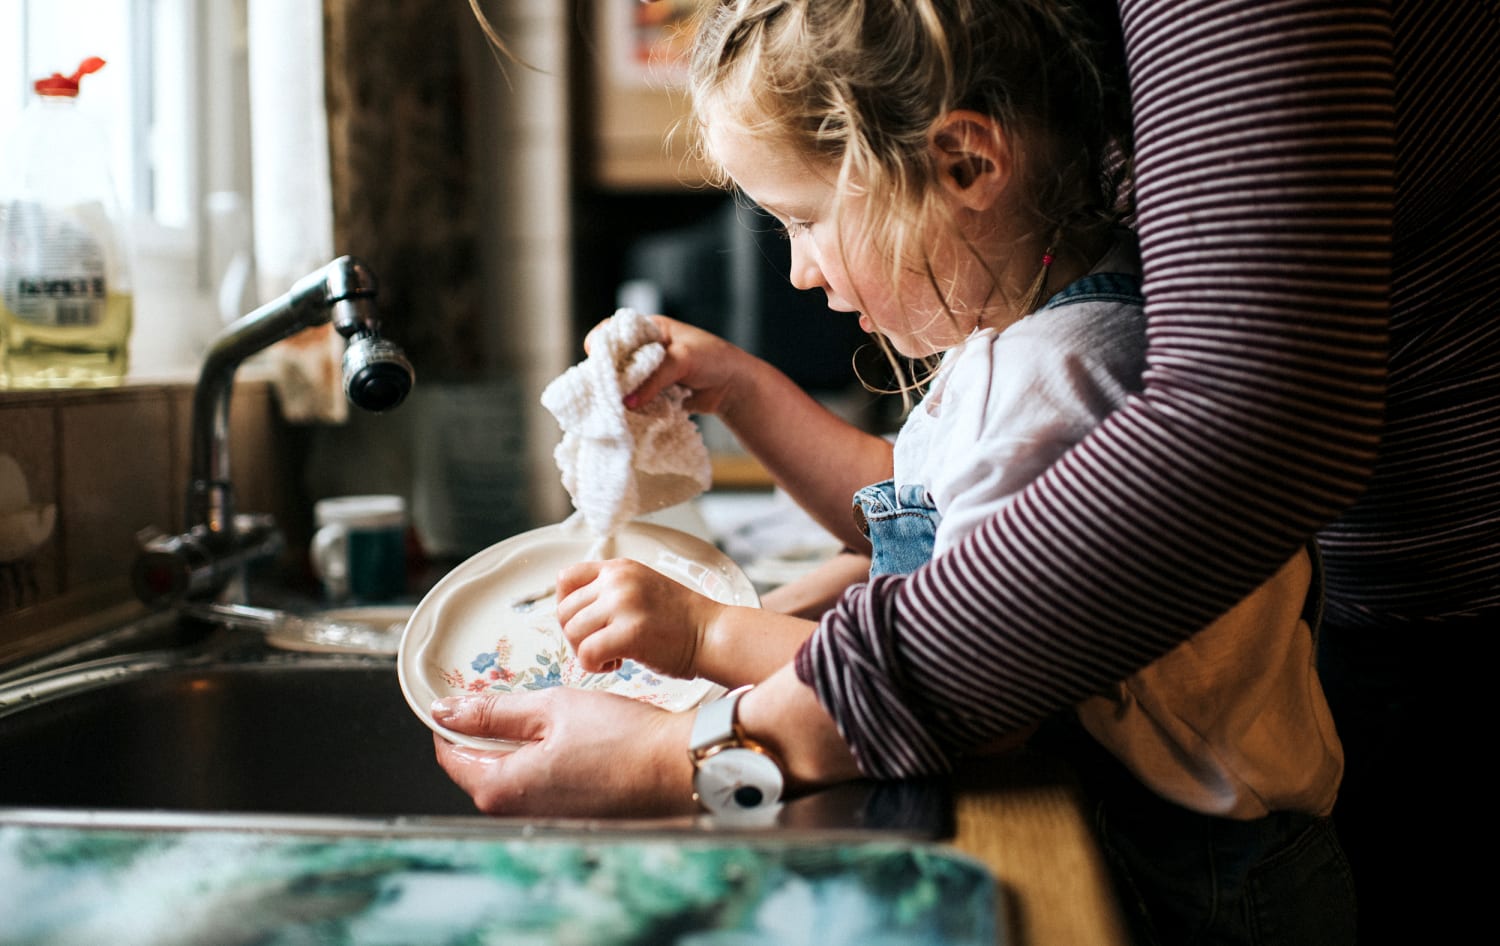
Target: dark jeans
(1184,877)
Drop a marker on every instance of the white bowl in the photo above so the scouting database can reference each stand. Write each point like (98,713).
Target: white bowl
(467,635)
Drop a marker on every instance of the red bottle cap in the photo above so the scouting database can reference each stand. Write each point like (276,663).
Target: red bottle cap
(59,84)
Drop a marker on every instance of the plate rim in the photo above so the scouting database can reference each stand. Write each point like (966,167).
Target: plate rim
(570,529)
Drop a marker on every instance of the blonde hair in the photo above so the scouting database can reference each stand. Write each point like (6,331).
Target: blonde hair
(860,85)
(498,46)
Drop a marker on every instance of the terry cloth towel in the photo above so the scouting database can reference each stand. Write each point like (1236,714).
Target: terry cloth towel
(617,463)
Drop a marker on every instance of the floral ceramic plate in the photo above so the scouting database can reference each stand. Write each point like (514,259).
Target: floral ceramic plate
(475,631)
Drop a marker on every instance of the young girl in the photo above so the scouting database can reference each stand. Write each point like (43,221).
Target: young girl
(961,199)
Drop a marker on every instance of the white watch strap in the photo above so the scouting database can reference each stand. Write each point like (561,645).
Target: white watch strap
(714,723)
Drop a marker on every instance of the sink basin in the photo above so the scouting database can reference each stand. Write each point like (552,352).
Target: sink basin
(319,736)
(218,727)
(225,791)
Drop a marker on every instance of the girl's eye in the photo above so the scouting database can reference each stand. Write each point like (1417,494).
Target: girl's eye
(792,229)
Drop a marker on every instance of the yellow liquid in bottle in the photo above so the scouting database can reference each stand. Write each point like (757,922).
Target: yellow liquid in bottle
(87,354)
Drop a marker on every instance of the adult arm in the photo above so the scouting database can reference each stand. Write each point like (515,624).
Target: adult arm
(1264,146)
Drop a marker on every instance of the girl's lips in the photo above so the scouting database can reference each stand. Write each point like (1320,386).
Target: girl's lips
(837,303)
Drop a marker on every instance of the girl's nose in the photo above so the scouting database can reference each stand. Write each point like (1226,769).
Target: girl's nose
(805,272)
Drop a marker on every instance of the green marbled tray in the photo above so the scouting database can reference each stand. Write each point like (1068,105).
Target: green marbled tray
(65,886)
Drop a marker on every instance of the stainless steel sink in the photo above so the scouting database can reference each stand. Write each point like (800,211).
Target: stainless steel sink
(173,714)
(302,735)
(224,728)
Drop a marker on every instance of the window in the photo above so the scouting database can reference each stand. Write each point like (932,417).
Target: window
(140,97)
(173,82)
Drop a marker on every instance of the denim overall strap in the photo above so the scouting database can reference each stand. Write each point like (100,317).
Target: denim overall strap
(1099,287)
(901,525)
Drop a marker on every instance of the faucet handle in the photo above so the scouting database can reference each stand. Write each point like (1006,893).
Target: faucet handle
(170,568)
(199,563)
(148,535)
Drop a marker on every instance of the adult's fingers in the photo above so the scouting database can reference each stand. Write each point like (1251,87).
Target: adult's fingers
(479,773)
(511,717)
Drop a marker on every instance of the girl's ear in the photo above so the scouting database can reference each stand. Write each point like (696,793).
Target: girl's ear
(973,158)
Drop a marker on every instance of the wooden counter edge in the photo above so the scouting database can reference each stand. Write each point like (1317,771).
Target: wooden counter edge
(1020,815)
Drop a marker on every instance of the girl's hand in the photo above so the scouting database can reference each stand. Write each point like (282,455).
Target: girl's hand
(620,608)
(700,361)
(818,457)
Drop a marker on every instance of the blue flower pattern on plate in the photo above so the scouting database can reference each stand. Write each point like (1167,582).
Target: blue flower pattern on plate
(494,670)
(484,661)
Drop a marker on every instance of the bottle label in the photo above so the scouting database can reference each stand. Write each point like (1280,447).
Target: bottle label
(54,274)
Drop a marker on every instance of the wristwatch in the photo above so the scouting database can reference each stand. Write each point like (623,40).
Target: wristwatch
(732,773)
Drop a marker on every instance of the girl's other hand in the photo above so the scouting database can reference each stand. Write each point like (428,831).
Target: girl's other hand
(619,609)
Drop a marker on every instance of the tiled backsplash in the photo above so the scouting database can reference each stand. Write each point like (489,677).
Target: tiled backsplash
(113,462)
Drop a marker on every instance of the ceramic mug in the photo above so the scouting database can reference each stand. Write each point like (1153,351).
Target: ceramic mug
(359,549)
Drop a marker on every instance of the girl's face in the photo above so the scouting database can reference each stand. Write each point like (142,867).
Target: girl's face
(828,254)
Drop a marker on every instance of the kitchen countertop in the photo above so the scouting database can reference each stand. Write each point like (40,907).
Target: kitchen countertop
(1020,816)
(1020,869)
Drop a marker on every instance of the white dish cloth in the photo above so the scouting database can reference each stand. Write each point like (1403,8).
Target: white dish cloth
(617,463)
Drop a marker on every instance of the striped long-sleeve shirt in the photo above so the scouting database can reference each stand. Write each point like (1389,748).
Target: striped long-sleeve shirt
(1318,202)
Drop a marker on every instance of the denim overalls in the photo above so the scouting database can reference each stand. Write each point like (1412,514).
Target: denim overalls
(902,523)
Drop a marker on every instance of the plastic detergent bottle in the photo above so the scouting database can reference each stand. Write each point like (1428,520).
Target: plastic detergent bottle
(66,304)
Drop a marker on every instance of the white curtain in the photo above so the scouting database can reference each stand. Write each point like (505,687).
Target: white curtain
(292,205)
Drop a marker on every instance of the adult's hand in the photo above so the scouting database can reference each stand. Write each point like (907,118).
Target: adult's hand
(590,754)
(584,753)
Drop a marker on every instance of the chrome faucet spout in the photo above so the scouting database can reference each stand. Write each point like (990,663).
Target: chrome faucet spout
(218,541)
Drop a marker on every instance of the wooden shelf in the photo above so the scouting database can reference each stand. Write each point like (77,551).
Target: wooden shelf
(739,471)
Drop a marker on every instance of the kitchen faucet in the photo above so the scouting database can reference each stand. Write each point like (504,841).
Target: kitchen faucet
(201,563)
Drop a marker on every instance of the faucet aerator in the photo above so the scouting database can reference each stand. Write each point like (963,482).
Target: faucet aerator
(377,376)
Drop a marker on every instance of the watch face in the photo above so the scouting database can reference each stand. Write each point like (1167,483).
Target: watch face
(737,780)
